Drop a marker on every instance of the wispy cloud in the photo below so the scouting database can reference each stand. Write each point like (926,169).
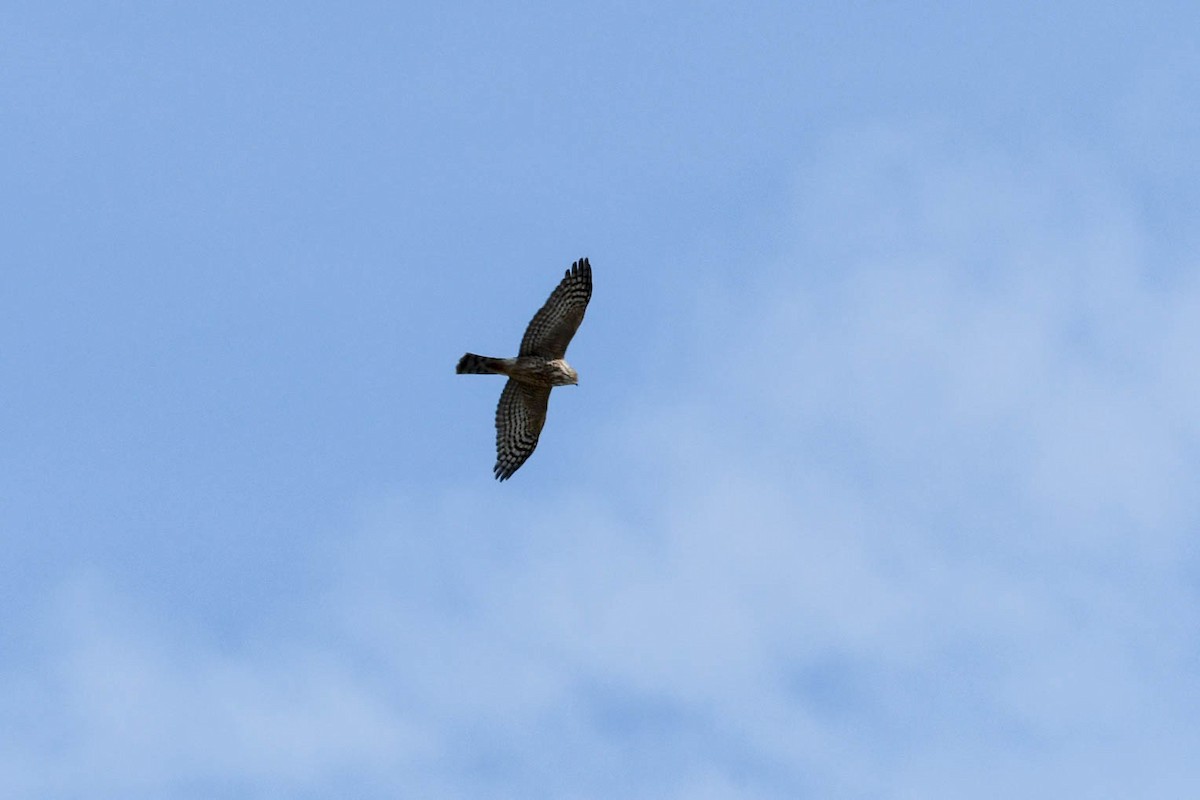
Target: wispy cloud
(128,705)
(917,525)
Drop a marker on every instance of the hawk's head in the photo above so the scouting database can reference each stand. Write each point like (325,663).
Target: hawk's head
(563,374)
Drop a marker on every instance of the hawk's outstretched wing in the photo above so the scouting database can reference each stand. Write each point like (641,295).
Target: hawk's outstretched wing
(552,327)
(520,415)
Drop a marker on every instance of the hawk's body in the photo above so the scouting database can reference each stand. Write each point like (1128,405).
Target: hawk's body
(538,367)
(533,370)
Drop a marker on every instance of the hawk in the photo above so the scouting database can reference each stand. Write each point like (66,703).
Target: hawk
(538,368)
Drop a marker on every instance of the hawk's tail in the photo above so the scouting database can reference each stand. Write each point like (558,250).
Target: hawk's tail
(480,365)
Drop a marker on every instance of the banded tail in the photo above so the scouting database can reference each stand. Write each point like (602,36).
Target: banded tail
(471,364)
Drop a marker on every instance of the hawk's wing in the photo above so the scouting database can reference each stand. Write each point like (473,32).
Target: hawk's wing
(552,327)
(520,415)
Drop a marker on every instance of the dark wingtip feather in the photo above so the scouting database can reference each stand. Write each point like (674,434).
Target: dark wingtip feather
(578,267)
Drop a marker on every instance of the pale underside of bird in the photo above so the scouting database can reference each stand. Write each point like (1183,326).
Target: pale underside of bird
(538,368)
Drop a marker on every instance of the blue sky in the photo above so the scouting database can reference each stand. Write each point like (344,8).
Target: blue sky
(879,481)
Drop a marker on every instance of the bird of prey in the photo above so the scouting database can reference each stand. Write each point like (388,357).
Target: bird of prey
(538,368)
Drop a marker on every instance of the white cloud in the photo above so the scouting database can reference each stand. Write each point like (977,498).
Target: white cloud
(130,707)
